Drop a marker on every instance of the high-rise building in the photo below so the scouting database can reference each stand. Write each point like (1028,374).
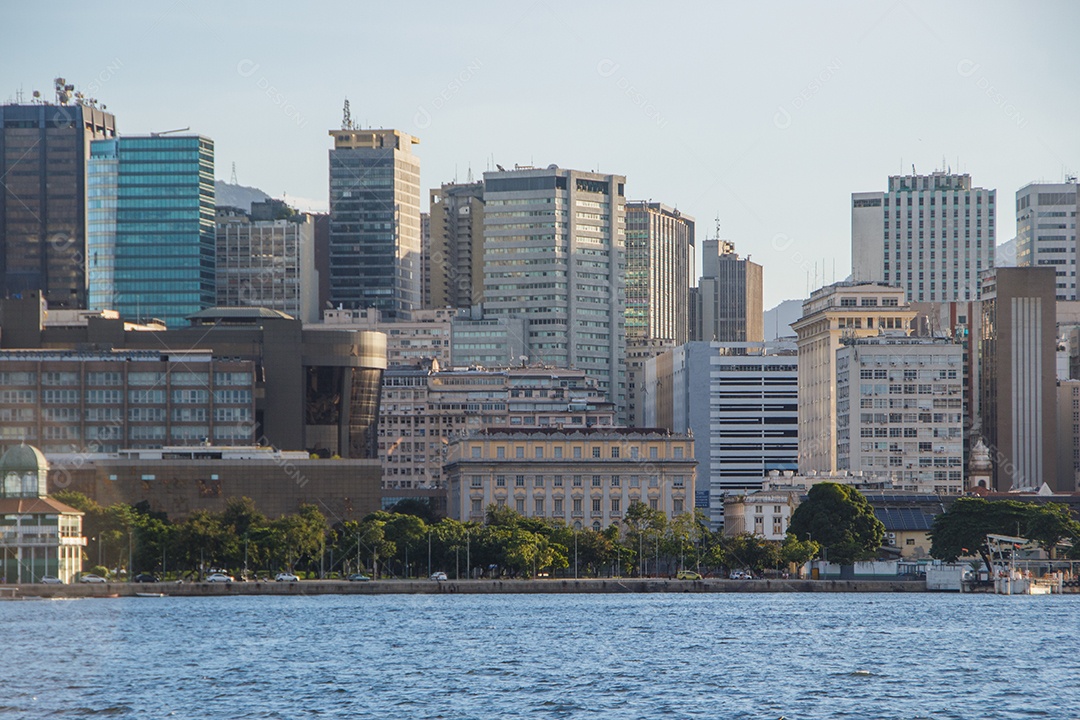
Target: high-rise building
(43,157)
(456,257)
(554,253)
(1017,354)
(834,312)
(730,308)
(151,241)
(425,260)
(899,411)
(375,221)
(267,263)
(1068,437)
(660,263)
(739,402)
(1046,231)
(930,234)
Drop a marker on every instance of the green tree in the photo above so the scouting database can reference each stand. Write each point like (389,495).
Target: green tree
(1050,523)
(841,519)
(753,552)
(962,529)
(798,552)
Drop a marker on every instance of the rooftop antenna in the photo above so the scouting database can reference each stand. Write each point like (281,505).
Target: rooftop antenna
(470,173)
(346,117)
(169,132)
(717,226)
(232,177)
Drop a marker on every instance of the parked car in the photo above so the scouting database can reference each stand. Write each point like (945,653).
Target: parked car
(741,575)
(51,580)
(688,575)
(92,578)
(286,577)
(358,577)
(439,576)
(219,578)
(145,577)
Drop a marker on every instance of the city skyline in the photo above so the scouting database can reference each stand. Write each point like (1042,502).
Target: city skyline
(823,110)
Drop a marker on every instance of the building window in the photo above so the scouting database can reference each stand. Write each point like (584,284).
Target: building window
(557,481)
(519,481)
(677,506)
(558,453)
(614,451)
(558,506)
(577,506)
(596,505)
(500,452)
(615,481)
(538,481)
(577,453)
(476,452)
(616,505)
(596,481)
(635,481)
(577,481)
(519,453)
(539,453)
(677,481)
(500,481)
(476,508)
(476,481)
(596,452)
(519,505)
(538,508)
(678,453)
(652,452)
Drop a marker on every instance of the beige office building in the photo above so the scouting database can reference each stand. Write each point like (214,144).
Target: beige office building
(834,312)
(587,477)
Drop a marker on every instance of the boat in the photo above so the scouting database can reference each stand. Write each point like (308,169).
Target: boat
(150,594)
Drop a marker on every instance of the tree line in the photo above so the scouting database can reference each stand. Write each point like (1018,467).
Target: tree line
(408,541)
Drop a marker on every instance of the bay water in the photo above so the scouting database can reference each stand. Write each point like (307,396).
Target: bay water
(796,656)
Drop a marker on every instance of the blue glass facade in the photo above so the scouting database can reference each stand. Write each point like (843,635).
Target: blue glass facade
(151,237)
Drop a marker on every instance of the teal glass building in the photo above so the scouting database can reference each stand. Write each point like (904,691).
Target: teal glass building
(150,227)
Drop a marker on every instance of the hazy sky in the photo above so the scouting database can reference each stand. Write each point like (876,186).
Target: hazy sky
(767,114)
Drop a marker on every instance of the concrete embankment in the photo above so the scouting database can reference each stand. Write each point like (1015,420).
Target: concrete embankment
(469,587)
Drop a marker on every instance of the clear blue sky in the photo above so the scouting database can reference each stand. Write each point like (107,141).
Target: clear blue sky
(768,114)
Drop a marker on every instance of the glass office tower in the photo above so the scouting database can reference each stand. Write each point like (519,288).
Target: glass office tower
(152,257)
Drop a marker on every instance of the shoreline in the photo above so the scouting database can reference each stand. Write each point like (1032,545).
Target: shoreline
(468,587)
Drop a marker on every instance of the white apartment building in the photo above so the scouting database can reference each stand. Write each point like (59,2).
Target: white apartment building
(554,254)
(1046,231)
(834,312)
(929,234)
(899,411)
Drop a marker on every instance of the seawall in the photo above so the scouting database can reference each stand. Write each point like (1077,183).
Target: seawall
(470,587)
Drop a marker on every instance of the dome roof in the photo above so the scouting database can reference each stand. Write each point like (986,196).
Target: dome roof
(23,458)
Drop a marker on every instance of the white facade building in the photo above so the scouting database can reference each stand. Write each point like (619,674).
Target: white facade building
(1046,231)
(739,401)
(929,234)
(899,406)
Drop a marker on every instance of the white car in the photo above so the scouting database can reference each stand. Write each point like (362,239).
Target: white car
(92,578)
(439,576)
(219,577)
(51,580)
(286,577)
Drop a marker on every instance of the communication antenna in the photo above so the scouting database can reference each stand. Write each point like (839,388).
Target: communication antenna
(717,226)
(346,117)
(169,132)
(232,177)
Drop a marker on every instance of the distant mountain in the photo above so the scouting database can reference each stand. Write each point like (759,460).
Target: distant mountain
(1005,254)
(238,196)
(778,320)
